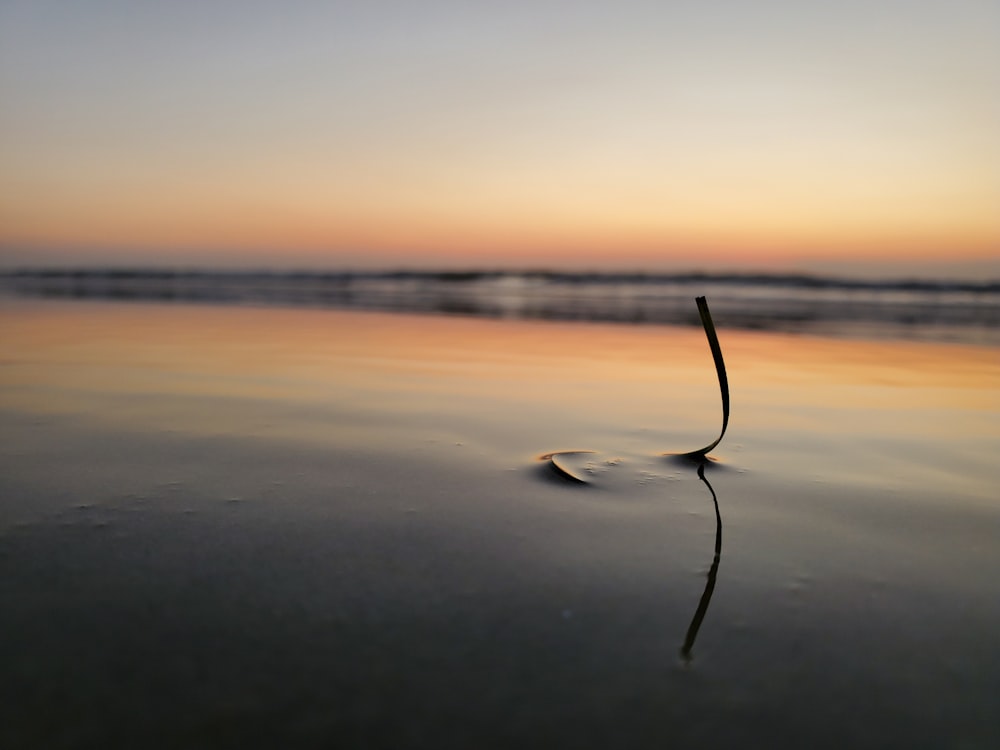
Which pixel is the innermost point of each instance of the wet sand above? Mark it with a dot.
(230, 527)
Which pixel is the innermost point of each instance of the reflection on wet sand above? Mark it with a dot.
(572, 466)
(706, 597)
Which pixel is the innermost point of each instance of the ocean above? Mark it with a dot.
(962, 311)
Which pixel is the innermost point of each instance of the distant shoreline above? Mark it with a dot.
(776, 279)
(964, 311)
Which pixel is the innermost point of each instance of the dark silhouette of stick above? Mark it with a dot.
(720, 369)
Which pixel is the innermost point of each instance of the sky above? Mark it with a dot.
(626, 134)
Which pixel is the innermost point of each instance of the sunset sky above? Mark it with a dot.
(438, 133)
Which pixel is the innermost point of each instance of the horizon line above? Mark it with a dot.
(123, 272)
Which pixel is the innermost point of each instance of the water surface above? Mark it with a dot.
(243, 526)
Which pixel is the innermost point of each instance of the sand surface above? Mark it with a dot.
(240, 527)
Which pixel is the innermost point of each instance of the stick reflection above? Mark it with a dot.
(706, 597)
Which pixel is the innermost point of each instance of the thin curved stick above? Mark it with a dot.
(700, 455)
(720, 369)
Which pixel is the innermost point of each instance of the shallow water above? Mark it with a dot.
(941, 310)
(232, 527)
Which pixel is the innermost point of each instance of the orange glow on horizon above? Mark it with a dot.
(589, 224)
(465, 242)
(338, 139)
